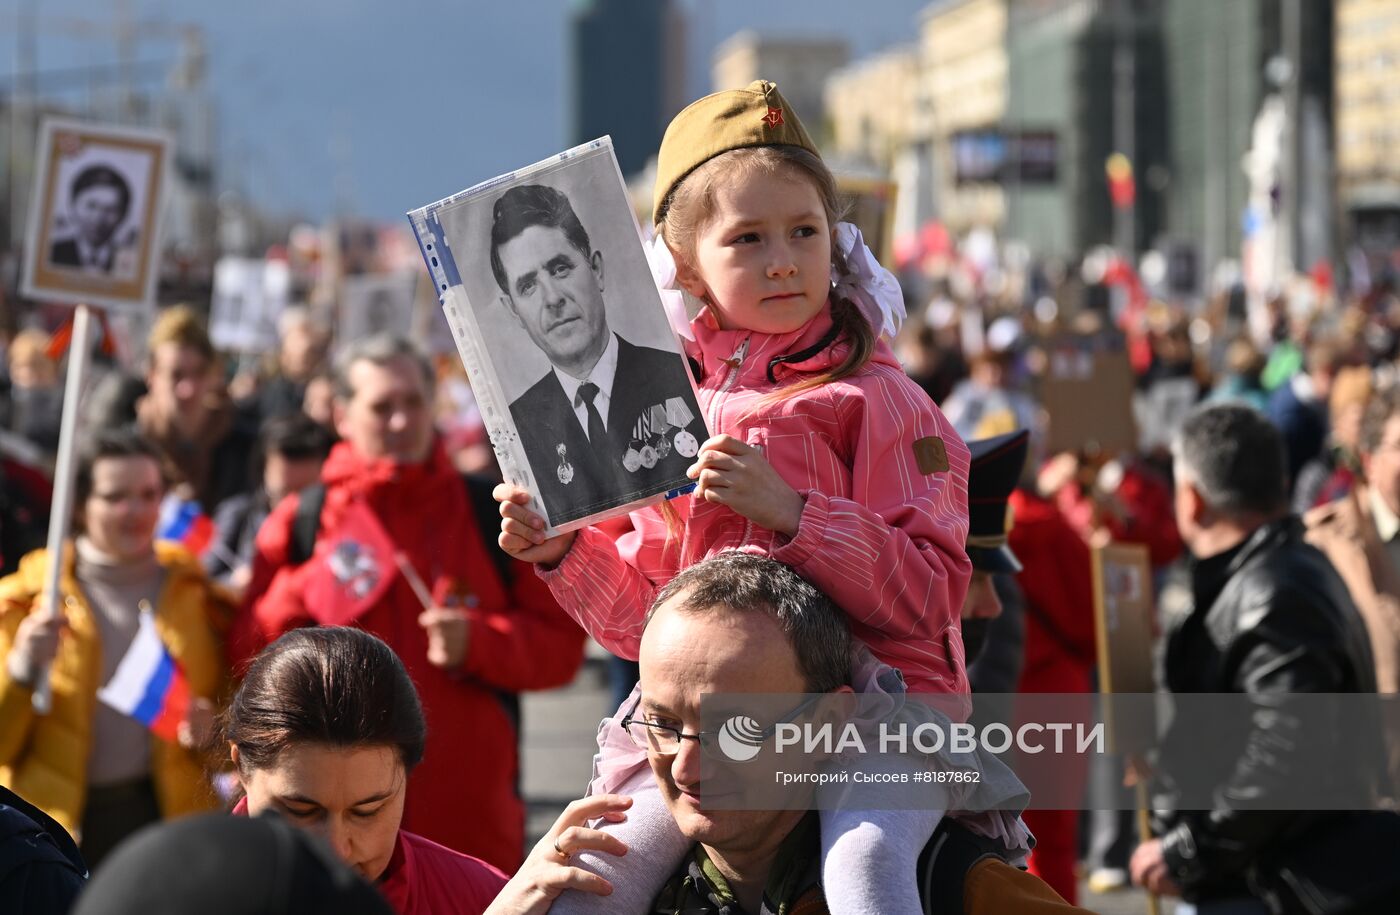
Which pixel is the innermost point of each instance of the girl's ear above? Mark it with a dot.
(689, 279)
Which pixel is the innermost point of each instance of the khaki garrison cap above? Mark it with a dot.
(756, 115)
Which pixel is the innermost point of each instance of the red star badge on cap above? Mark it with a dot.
(774, 117)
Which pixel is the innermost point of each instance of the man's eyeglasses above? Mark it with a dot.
(664, 740)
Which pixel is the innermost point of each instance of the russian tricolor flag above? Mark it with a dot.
(148, 685)
(185, 522)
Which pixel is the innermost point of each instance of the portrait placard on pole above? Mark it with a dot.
(93, 240)
(95, 215)
(1123, 627)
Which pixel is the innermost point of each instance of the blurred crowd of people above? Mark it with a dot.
(266, 455)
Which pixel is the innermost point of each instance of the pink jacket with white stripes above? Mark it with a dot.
(885, 523)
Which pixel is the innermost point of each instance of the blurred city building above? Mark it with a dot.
(963, 84)
(1218, 119)
(627, 74)
(1368, 121)
(1085, 82)
(799, 65)
(871, 108)
(1250, 82)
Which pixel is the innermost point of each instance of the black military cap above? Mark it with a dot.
(996, 467)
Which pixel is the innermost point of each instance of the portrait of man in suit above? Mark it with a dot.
(99, 200)
(611, 421)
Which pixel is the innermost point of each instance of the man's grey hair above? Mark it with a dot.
(1234, 458)
(380, 349)
(744, 583)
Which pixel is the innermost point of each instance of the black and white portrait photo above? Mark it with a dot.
(95, 214)
(99, 201)
(376, 303)
(598, 394)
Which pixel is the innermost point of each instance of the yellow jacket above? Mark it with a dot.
(44, 758)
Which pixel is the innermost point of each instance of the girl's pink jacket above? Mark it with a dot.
(884, 529)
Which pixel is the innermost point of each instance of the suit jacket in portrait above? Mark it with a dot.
(651, 392)
(65, 253)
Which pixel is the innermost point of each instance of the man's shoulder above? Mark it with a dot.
(542, 394)
(1289, 591)
(64, 251)
(646, 359)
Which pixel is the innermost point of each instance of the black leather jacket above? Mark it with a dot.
(1270, 617)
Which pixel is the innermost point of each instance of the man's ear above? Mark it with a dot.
(596, 262)
(1196, 508)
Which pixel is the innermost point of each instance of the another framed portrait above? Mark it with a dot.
(872, 211)
(94, 217)
(249, 297)
(582, 382)
(375, 303)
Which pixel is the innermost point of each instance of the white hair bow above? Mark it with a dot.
(663, 270)
(867, 284)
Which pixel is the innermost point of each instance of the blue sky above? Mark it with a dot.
(381, 107)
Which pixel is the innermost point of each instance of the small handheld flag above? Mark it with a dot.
(148, 685)
(350, 571)
(185, 522)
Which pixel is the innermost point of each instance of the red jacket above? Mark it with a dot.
(424, 878)
(1150, 518)
(1057, 579)
(463, 793)
(884, 529)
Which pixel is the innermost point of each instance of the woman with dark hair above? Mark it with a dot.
(325, 730)
(97, 771)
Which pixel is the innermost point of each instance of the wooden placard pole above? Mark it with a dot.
(61, 510)
(1123, 630)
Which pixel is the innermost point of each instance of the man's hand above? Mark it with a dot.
(522, 531)
(1149, 869)
(738, 475)
(448, 634)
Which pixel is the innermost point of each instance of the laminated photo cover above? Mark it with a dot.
(582, 382)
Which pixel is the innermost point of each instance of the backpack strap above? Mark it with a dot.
(945, 862)
(306, 523)
(488, 520)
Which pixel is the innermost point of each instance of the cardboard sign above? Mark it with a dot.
(1123, 610)
(1088, 394)
(94, 217)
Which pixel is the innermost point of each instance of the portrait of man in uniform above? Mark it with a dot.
(610, 421)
